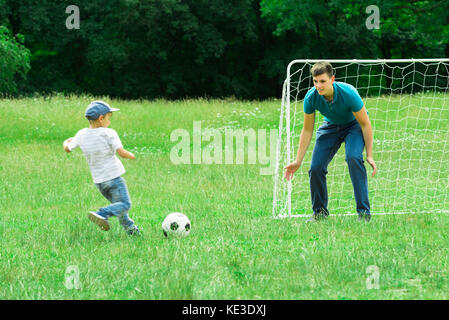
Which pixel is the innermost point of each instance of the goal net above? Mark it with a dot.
(408, 105)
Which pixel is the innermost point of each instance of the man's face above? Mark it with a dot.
(323, 84)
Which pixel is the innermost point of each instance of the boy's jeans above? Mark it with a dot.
(329, 138)
(116, 192)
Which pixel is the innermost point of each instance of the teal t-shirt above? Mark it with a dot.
(338, 111)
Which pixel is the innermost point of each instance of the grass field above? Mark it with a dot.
(236, 250)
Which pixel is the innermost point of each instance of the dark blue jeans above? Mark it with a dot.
(329, 138)
(116, 192)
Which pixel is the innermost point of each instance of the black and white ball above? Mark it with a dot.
(176, 224)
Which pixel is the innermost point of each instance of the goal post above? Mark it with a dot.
(408, 104)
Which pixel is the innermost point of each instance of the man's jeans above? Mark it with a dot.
(329, 138)
(116, 192)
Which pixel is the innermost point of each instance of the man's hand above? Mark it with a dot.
(371, 162)
(291, 169)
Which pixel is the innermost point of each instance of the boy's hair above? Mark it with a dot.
(94, 121)
(322, 67)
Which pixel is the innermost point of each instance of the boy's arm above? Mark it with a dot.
(117, 145)
(125, 154)
(66, 144)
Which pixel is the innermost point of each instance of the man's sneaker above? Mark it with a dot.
(99, 220)
(364, 216)
(320, 215)
(133, 232)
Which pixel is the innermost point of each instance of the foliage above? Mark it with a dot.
(415, 29)
(194, 48)
(14, 60)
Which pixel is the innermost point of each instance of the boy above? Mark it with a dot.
(99, 144)
(345, 120)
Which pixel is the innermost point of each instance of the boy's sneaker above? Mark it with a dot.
(364, 216)
(133, 232)
(99, 220)
(322, 214)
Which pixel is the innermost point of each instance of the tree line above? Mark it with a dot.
(175, 49)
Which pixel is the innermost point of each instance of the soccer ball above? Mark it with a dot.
(176, 224)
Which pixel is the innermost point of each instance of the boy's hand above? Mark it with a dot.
(125, 154)
(66, 144)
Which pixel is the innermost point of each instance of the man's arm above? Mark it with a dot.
(125, 154)
(304, 142)
(365, 124)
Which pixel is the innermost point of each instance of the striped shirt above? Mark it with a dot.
(99, 146)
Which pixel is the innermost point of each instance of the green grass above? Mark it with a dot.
(236, 250)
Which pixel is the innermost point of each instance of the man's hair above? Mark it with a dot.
(321, 68)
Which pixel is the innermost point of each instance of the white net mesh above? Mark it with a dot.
(408, 105)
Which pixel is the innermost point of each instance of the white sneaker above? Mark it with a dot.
(99, 220)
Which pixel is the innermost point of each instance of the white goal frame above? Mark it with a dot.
(291, 149)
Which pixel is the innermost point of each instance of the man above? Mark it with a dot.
(345, 120)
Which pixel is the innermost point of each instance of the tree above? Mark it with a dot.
(14, 61)
(336, 29)
(146, 48)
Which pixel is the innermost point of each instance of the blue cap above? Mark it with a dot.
(98, 108)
